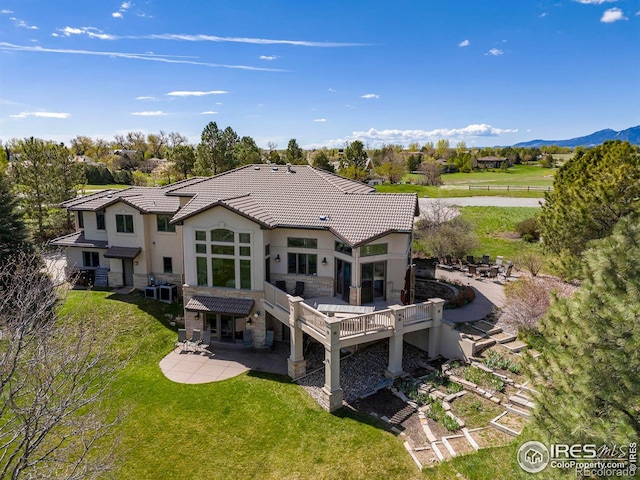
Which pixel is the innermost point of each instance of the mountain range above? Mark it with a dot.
(632, 135)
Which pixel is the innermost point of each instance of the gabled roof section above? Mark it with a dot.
(302, 197)
(144, 199)
(76, 239)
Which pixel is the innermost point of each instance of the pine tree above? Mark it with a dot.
(13, 233)
(588, 376)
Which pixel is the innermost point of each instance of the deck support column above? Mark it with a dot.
(296, 364)
(394, 369)
(331, 391)
(437, 309)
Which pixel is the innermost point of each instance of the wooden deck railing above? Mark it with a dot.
(418, 312)
(366, 323)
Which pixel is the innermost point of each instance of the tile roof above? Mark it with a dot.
(235, 306)
(122, 252)
(275, 196)
(77, 239)
(305, 198)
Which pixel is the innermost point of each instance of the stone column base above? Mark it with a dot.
(333, 399)
(296, 369)
(389, 374)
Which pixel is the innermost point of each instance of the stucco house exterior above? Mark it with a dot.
(225, 241)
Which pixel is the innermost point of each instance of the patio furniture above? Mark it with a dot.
(486, 260)
(299, 290)
(507, 272)
(247, 339)
(182, 338)
(331, 309)
(472, 271)
(499, 260)
(195, 340)
(267, 344)
(470, 259)
(206, 341)
(282, 285)
(493, 272)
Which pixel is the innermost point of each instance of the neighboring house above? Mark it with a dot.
(492, 162)
(227, 239)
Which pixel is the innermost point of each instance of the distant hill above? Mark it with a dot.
(632, 135)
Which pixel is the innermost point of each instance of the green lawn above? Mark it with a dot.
(251, 426)
(255, 425)
(492, 225)
(457, 184)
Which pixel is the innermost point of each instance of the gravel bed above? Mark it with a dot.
(361, 372)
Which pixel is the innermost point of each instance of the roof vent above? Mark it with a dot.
(268, 162)
(275, 169)
(323, 217)
(289, 168)
(256, 168)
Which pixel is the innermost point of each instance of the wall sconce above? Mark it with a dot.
(249, 321)
(324, 261)
(278, 258)
(257, 314)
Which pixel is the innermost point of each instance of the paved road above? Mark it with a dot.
(484, 201)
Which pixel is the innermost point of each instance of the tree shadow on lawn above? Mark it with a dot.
(154, 308)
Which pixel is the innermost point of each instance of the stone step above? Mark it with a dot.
(518, 411)
(519, 401)
(482, 344)
(401, 415)
(515, 346)
(486, 327)
(504, 337)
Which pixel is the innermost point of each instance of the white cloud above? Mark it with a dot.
(268, 57)
(135, 56)
(92, 32)
(255, 41)
(41, 115)
(464, 43)
(594, 2)
(157, 113)
(123, 8)
(407, 136)
(496, 52)
(320, 120)
(612, 15)
(370, 95)
(209, 112)
(22, 24)
(331, 90)
(4, 11)
(146, 98)
(542, 15)
(181, 93)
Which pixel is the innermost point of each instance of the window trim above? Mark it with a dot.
(92, 256)
(363, 254)
(101, 214)
(304, 240)
(163, 223)
(307, 264)
(124, 224)
(164, 264)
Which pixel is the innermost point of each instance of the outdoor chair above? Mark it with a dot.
(499, 260)
(247, 339)
(206, 341)
(507, 272)
(299, 290)
(267, 344)
(472, 271)
(282, 285)
(493, 272)
(448, 260)
(195, 339)
(486, 260)
(182, 338)
(471, 259)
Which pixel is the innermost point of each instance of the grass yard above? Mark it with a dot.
(252, 426)
(493, 226)
(457, 184)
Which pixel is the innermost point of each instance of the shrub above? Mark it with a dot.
(527, 237)
(453, 387)
(450, 423)
(528, 227)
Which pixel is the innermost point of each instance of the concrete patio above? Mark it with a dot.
(223, 362)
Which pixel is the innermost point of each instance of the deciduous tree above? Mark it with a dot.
(321, 160)
(431, 172)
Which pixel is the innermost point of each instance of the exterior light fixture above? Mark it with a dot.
(324, 261)
(278, 258)
(257, 314)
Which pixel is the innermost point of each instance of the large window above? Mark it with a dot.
(302, 263)
(377, 249)
(343, 248)
(164, 223)
(124, 223)
(80, 219)
(302, 242)
(224, 254)
(91, 259)
(100, 223)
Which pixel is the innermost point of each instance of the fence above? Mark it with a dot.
(520, 188)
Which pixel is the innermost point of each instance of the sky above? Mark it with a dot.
(490, 72)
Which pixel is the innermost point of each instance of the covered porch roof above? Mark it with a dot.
(122, 252)
(240, 307)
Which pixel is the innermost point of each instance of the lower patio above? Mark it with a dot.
(223, 361)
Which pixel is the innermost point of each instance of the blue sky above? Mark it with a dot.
(323, 72)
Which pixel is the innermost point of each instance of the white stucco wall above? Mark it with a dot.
(135, 239)
(91, 231)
